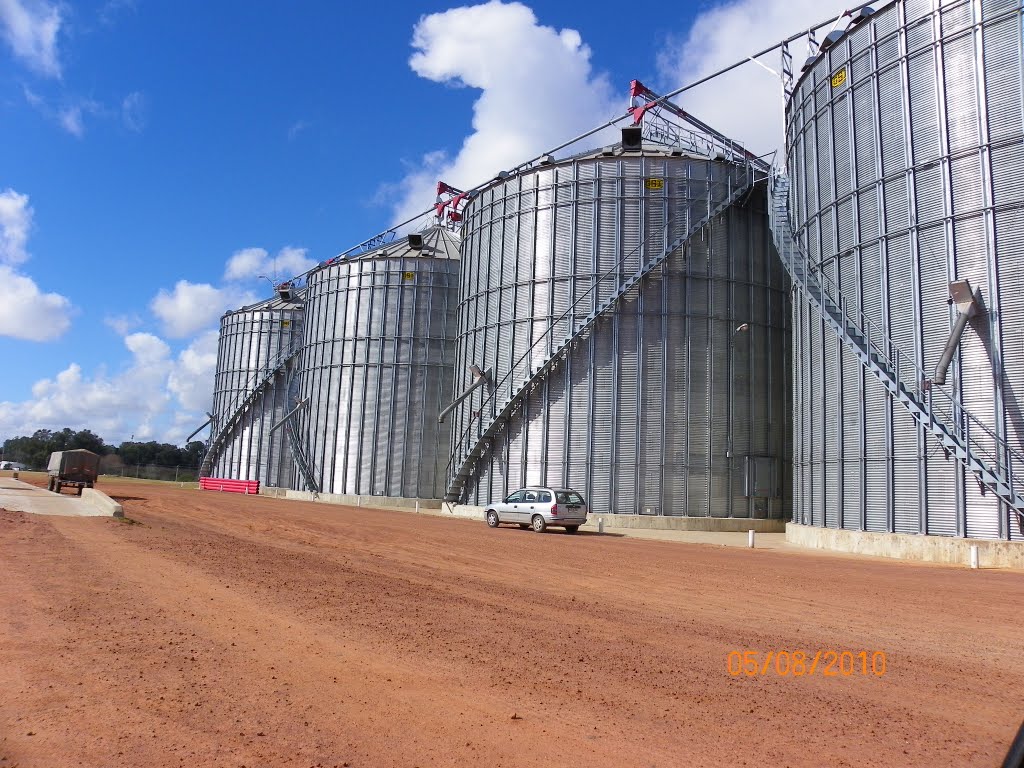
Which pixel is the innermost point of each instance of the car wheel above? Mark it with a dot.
(492, 518)
(571, 528)
(538, 524)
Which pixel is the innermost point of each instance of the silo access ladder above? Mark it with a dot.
(476, 446)
(958, 432)
(257, 383)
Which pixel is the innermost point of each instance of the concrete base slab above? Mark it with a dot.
(668, 523)
(17, 496)
(382, 502)
(932, 549)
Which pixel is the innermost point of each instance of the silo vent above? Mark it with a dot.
(285, 291)
(632, 138)
(416, 241)
(831, 39)
(864, 13)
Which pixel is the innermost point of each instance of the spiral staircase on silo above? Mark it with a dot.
(958, 432)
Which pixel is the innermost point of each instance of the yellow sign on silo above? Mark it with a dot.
(654, 183)
(839, 78)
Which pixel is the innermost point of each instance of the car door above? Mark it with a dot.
(508, 510)
(529, 506)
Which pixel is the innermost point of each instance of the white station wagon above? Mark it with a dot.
(539, 508)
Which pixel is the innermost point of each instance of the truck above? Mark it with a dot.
(75, 469)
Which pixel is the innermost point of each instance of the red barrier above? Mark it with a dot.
(229, 486)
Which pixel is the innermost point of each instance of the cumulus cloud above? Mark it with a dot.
(26, 312)
(191, 381)
(537, 87)
(191, 307)
(745, 104)
(112, 405)
(30, 28)
(252, 262)
(157, 394)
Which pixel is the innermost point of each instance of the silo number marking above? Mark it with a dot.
(654, 183)
(839, 78)
(408, 275)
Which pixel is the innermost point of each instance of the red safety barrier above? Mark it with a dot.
(229, 486)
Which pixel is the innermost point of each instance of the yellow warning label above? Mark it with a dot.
(286, 323)
(839, 78)
(654, 183)
(408, 275)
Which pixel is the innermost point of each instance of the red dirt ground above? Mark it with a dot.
(239, 631)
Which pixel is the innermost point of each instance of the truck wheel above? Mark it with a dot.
(56, 486)
(80, 493)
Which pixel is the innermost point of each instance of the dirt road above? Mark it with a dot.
(237, 631)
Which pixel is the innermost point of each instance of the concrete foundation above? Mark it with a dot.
(102, 502)
(932, 549)
(382, 502)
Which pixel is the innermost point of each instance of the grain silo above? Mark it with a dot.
(905, 148)
(256, 353)
(376, 369)
(630, 321)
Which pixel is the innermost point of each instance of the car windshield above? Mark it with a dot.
(568, 497)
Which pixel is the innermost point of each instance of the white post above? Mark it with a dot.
(750, 538)
(417, 506)
(359, 501)
(974, 556)
(600, 525)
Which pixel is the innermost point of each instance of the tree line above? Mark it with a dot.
(34, 451)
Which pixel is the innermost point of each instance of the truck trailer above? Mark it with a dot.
(77, 468)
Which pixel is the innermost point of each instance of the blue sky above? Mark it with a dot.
(156, 157)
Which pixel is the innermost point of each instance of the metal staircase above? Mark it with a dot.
(301, 461)
(976, 445)
(257, 383)
(475, 446)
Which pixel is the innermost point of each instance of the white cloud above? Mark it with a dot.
(113, 406)
(122, 325)
(745, 104)
(156, 394)
(15, 223)
(70, 119)
(28, 313)
(251, 262)
(537, 89)
(191, 381)
(30, 28)
(191, 307)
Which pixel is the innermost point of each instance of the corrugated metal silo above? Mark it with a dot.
(640, 393)
(376, 369)
(906, 151)
(255, 355)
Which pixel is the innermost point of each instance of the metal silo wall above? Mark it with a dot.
(251, 344)
(376, 367)
(637, 416)
(906, 175)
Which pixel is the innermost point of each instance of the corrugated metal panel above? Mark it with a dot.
(1001, 51)
(960, 74)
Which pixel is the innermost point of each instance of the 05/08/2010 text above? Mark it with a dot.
(801, 663)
